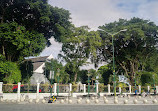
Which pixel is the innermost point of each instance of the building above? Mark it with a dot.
(38, 69)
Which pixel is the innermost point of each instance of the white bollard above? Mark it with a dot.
(96, 101)
(106, 101)
(87, 101)
(70, 101)
(30, 100)
(154, 101)
(37, 101)
(62, 101)
(135, 101)
(125, 101)
(43, 101)
(116, 101)
(145, 101)
(79, 101)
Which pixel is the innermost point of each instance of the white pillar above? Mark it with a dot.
(55, 88)
(156, 89)
(97, 89)
(37, 95)
(139, 89)
(130, 89)
(120, 90)
(1, 85)
(148, 87)
(18, 91)
(84, 88)
(108, 88)
(70, 86)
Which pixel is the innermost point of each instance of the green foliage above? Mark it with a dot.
(132, 48)
(104, 72)
(77, 48)
(17, 43)
(9, 72)
(148, 78)
(26, 68)
(36, 15)
(59, 70)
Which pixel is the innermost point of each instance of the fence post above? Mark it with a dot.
(55, 88)
(120, 90)
(139, 89)
(108, 88)
(37, 95)
(130, 89)
(97, 88)
(84, 88)
(70, 86)
(1, 85)
(148, 87)
(156, 89)
(18, 91)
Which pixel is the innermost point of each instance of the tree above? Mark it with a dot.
(93, 74)
(104, 72)
(17, 43)
(59, 70)
(133, 47)
(36, 15)
(77, 48)
(148, 78)
(9, 72)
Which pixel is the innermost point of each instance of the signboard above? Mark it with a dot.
(51, 75)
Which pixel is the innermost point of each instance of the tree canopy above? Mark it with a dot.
(133, 47)
(37, 15)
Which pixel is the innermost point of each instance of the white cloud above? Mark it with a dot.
(96, 13)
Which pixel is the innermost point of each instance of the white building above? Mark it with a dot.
(38, 69)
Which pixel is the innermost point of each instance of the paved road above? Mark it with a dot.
(53, 107)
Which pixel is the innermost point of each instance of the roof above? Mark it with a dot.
(37, 62)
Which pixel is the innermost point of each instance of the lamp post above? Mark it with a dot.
(113, 55)
(88, 83)
(154, 84)
(58, 82)
(135, 83)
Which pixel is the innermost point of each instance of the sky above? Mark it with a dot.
(96, 13)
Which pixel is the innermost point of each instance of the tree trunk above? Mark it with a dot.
(3, 50)
(75, 77)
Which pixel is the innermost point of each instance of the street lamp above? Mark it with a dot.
(88, 83)
(154, 84)
(58, 81)
(112, 35)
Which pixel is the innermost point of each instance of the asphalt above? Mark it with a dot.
(54, 107)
